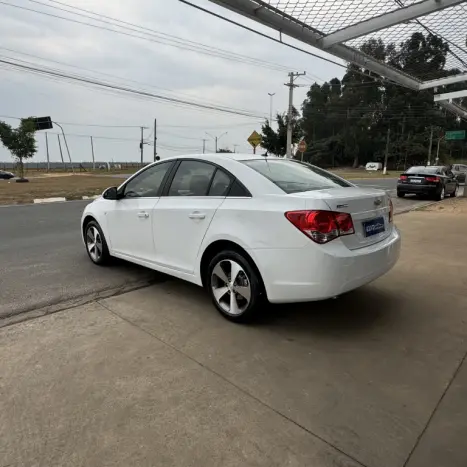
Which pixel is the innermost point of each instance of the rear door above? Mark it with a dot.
(182, 216)
(369, 209)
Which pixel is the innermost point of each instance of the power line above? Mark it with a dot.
(125, 90)
(154, 36)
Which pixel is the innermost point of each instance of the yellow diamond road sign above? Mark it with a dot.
(254, 139)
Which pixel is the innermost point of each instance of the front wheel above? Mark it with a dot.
(235, 286)
(96, 245)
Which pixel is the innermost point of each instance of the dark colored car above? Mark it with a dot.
(6, 175)
(460, 172)
(433, 181)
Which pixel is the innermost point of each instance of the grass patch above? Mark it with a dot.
(70, 187)
(356, 174)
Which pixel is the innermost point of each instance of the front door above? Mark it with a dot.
(182, 217)
(129, 221)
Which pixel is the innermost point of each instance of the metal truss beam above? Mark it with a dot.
(454, 108)
(447, 96)
(436, 83)
(387, 19)
(268, 16)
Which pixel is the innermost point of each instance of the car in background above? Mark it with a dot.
(436, 182)
(248, 228)
(6, 175)
(460, 172)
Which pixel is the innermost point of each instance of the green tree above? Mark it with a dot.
(19, 141)
(275, 142)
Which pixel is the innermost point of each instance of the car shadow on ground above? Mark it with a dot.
(350, 314)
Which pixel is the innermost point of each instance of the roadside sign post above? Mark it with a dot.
(255, 140)
(455, 135)
(302, 146)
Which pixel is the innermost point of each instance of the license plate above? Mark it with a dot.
(373, 227)
(415, 180)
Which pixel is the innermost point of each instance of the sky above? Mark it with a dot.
(152, 62)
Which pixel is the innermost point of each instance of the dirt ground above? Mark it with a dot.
(70, 187)
(450, 206)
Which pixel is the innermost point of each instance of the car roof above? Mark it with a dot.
(237, 156)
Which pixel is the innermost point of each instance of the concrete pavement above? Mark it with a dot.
(156, 377)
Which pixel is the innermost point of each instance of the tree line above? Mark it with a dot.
(356, 119)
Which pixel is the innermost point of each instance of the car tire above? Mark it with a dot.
(96, 244)
(239, 300)
(440, 194)
(400, 194)
(454, 193)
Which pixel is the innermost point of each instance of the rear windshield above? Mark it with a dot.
(294, 177)
(423, 170)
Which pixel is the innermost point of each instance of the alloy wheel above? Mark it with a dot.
(442, 193)
(231, 287)
(94, 243)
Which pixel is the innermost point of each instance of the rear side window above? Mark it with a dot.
(193, 178)
(220, 184)
(294, 177)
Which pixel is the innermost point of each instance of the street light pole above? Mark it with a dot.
(216, 138)
(271, 95)
(66, 145)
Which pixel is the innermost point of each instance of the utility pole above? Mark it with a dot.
(61, 153)
(155, 139)
(271, 95)
(385, 169)
(204, 145)
(429, 146)
(216, 138)
(47, 147)
(141, 145)
(235, 147)
(92, 152)
(291, 86)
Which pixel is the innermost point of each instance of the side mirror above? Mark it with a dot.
(110, 193)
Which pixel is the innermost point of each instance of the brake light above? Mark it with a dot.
(391, 210)
(322, 226)
(432, 179)
(403, 177)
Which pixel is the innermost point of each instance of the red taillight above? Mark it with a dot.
(391, 210)
(322, 226)
(403, 177)
(432, 179)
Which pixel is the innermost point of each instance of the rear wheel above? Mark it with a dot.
(400, 194)
(235, 286)
(96, 245)
(440, 194)
(454, 193)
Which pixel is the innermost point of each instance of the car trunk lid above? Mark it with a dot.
(368, 207)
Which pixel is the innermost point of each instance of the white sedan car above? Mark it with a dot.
(247, 228)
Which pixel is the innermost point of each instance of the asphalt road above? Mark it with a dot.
(43, 260)
(44, 263)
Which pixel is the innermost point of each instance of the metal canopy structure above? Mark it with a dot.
(341, 27)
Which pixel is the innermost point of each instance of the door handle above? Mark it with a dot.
(197, 215)
(143, 214)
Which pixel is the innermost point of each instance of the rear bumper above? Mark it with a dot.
(417, 189)
(317, 272)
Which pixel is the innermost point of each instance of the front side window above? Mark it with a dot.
(193, 178)
(294, 177)
(147, 184)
